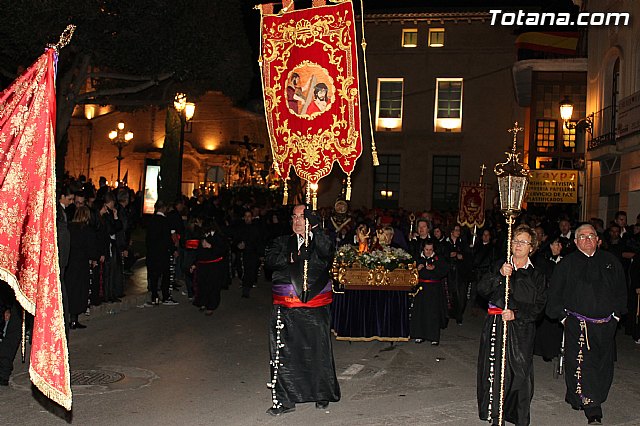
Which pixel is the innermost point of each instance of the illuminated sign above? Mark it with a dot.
(553, 186)
(150, 188)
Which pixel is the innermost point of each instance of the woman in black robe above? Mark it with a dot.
(210, 267)
(548, 341)
(527, 298)
(428, 314)
(82, 256)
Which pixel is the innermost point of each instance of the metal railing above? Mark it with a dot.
(604, 128)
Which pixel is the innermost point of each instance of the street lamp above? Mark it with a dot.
(120, 139)
(513, 178)
(185, 111)
(566, 111)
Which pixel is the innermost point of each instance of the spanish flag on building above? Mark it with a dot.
(565, 43)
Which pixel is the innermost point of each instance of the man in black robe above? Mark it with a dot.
(420, 238)
(302, 365)
(588, 294)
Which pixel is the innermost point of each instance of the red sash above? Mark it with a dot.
(429, 281)
(210, 261)
(191, 244)
(294, 302)
(494, 311)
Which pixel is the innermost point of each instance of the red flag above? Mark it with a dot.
(28, 247)
(471, 211)
(311, 90)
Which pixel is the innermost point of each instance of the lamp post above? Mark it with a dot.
(120, 138)
(585, 124)
(513, 178)
(185, 111)
(566, 111)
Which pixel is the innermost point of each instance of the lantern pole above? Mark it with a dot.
(513, 178)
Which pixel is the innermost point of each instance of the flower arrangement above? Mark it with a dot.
(389, 257)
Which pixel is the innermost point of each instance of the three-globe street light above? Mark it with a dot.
(185, 111)
(120, 138)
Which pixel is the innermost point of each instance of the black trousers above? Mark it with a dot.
(159, 272)
(10, 343)
(457, 294)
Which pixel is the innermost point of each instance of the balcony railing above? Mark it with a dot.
(604, 128)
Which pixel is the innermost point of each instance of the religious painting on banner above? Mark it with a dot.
(28, 246)
(310, 82)
(471, 211)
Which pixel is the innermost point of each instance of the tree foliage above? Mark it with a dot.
(132, 52)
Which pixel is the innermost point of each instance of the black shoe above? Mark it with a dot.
(76, 324)
(280, 410)
(419, 340)
(594, 420)
(435, 343)
(322, 405)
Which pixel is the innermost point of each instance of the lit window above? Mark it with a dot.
(448, 106)
(546, 135)
(569, 139)
(410, 37)
(389, 111)
(386, 188)
(436, 37)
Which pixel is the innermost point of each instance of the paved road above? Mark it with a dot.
(178, 367)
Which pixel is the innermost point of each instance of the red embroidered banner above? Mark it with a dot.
(28, 247)
(471, 211)
(311, 90)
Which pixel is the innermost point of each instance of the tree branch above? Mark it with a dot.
(130, 77)
(122, 90)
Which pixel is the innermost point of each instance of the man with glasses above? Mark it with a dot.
(302, 365)
(588, 295)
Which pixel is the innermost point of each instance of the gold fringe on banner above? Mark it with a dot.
(348, 194)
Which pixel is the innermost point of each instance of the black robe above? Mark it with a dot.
(302, 364)
(527, 298)
(548, 341)
(594, 287)
(82, 250)
(428, 314)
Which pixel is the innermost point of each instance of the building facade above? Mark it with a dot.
(613, 154)
(442, 99)
(215, 148)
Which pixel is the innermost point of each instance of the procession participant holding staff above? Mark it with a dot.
(588, 295)
(527, 297)
(302, 365)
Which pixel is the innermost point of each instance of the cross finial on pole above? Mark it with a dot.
(515, 130)
(482, 169)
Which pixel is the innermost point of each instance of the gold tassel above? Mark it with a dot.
(315, 200)
(374, 154)
(348, 194)
(285, 196)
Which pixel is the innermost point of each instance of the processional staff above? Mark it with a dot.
(513, 178)
(475, 224)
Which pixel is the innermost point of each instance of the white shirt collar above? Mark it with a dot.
(524, 267)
